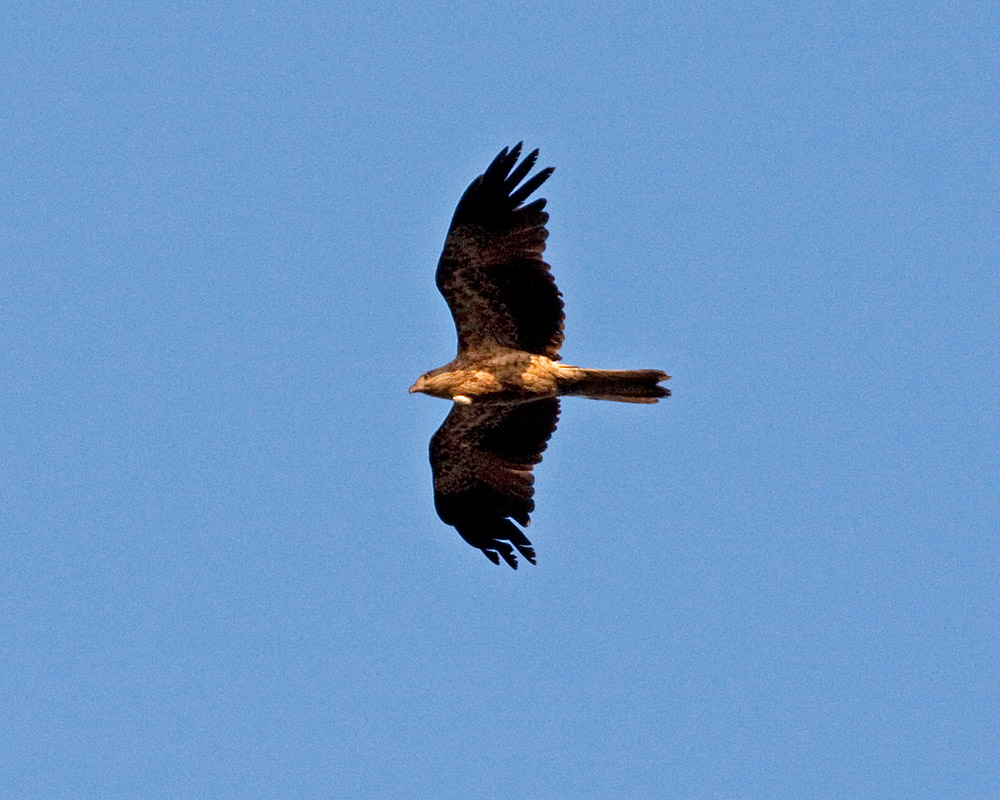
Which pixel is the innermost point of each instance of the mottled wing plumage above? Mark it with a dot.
(482, 458)
(491, 272)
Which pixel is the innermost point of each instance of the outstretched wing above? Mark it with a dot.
(482, 458)
(491, 272)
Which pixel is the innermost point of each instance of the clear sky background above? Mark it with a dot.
(222, 571)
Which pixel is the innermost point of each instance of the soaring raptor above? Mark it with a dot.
(506, 380)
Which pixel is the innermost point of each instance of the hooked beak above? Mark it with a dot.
(415, 387)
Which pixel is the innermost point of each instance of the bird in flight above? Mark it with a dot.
(507, 378)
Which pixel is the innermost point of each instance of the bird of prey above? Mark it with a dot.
(506, 379)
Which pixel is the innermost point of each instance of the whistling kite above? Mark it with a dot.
(506, 379)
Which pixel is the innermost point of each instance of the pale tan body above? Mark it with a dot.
(504, 375)
(497, 375)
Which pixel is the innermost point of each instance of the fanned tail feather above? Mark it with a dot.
(621, 385)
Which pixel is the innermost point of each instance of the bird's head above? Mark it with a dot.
(435, 383)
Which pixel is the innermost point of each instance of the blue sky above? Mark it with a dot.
(223, 575)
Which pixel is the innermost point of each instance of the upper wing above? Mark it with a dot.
(482, 458)
(491, 272)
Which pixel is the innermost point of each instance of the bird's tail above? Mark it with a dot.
(623, 385)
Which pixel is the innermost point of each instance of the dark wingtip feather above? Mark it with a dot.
(506, 553)
(527, 551)
(520, 171)
(504, 161)
(531, 185)
(496, 162)
(520, 541)
(500, 170)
